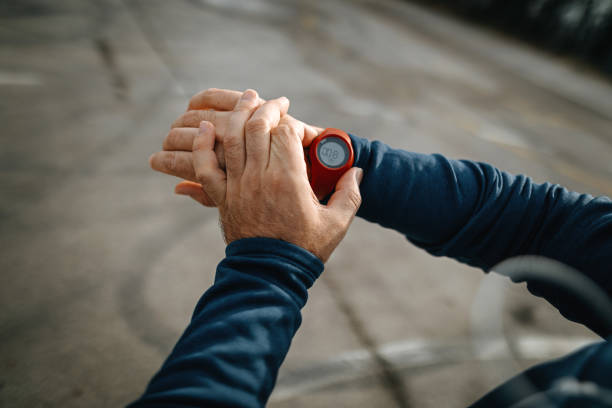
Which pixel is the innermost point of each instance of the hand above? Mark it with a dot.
(266, 192)
(213, 105)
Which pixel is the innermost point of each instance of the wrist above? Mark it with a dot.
(330, 156)
(361, 152)
(304, 265)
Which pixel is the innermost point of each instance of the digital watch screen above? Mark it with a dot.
(333, 152)
(331, 155)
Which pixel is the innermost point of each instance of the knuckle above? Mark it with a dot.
(354, 198)
(171, 139)
(169, 161)
(274, 104)
(285, 119)
(283, 130)
(205, 177)
(207, 185)
(245, 106)
(210, 92)
(287, 134)
(200, 174)
(192, 118)
(183, 120)
(293, 128)
(231, 143)
(282, 101)
(257, 125)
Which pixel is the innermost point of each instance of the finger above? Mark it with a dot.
(346, 200)
(233, 143)
(257, 131)
(286, 145)
(206, 166)
(213, 98)
(179, 164)
(193, 118)
(310, 134)
(180, 139)
(217, 99)
(195, 191)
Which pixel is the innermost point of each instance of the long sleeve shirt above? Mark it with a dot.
(480, 215)
(242, 327)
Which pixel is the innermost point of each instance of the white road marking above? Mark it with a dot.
(415, 353)
(20, 79)
(502, 135)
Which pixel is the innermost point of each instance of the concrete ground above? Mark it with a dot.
(101, 265)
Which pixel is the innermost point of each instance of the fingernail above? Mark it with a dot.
(249, 95)
(204, 126)
(359, 175)
(285, 100)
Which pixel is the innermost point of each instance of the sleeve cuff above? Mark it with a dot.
(279, 250)
(361, 151)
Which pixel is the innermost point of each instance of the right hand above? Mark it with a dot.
(215, 106)
(264, 191)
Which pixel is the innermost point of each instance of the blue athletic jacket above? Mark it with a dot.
(242, 327)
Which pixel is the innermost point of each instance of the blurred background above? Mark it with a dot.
(101, 264)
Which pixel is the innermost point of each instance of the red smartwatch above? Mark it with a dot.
(331, 155)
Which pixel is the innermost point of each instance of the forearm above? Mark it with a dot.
(480, 215)
(241, 329)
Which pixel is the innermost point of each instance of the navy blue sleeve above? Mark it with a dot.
(541, 385)
(481, 215)
(241, 329)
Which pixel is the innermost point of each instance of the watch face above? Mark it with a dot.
(333, 152)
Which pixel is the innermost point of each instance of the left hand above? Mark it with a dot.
(213, 105)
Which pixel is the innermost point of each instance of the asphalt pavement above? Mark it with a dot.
(101, 264)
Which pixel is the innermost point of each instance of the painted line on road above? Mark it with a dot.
(20, 79)
(412, 354)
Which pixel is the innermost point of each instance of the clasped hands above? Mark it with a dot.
(245, 156)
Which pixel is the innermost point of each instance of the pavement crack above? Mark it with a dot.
(390, 377)
(142, 20)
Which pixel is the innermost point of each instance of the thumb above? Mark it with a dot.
(195, 191)
(346, 199)
(206, 165)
